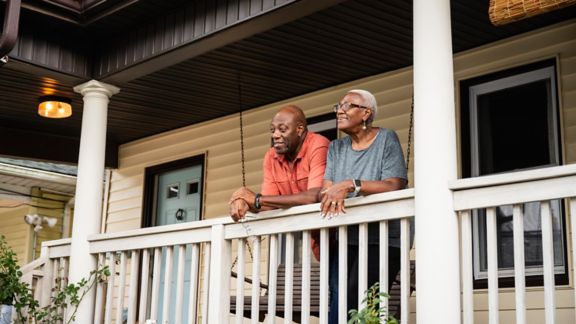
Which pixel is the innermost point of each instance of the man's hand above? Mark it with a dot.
(238, 209)
(332, 203)
(245, 194)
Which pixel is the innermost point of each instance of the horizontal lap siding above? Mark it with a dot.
(17, 232)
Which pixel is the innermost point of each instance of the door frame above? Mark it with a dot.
(150, 195)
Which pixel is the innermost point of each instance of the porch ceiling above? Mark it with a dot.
(350, 40)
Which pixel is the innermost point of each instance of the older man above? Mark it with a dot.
(293, 167)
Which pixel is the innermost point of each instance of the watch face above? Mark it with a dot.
(357, 184)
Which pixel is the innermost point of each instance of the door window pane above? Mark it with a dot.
(172, 191)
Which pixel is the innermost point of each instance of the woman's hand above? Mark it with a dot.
(332, 203)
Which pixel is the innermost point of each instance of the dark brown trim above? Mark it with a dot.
(10, 30)
(150, 176)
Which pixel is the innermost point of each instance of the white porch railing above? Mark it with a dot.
(197, 258)
(542, 185)
(41, 273)
(162, 253)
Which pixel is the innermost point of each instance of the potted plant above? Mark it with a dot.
(10, 284)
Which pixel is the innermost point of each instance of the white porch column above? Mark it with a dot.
(88, 206)
(437, 252)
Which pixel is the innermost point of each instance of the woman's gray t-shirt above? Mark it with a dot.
(383, 159)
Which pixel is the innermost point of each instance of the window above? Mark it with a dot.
(173, 192)
(509, 123)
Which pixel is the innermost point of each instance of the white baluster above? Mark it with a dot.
(306, 269)
(324, 238)
(193, 293)
(144, 286)
(548, 260)
(240, 282)
(383, 266)
(342, 274)
(466, 268)
(492, 244)
(404, 269)
(255, 305)
(121, 288)
(272, 278)
(362, 262)
(180, 282)
(519, 271)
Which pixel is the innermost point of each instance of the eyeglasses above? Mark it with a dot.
(347, 106)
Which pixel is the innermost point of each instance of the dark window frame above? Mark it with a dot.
(466, 159)
(151, 190)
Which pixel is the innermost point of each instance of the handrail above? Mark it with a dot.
(397, 205)
(517, 187)
(514, 177)
(33, 265)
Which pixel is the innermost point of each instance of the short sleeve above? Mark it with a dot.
(393, 165)
(269, 187)
(317, 162)
(329, 172)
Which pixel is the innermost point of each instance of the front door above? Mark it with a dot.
(178, 199)
(179, 196)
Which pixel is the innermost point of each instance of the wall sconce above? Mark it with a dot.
(54, 107)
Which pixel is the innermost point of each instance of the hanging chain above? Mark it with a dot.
(243, 162)
(409, 148)
(242, 146)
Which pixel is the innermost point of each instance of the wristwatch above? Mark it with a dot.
(357, 186)
(257, 201)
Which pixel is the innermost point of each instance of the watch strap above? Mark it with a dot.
(257, 201)
(357, 186)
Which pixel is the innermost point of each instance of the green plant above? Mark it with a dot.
(10, 273)
(372, 313)
(21, 295)
(63, 296)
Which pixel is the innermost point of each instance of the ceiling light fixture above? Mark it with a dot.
(54, 107)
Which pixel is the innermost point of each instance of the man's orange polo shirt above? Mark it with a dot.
(307, 172)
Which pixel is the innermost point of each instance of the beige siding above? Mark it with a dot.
(17, 232)
(219, 138)
(53, 207)
(25, 242)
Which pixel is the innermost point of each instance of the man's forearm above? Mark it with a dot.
(287, 201)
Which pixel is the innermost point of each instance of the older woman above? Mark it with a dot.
(367, 161)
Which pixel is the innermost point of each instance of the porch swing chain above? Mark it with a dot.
(243, 163)
(409, 146)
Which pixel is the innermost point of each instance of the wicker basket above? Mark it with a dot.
(506, 11)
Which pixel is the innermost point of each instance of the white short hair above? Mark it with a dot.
(369, 101)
